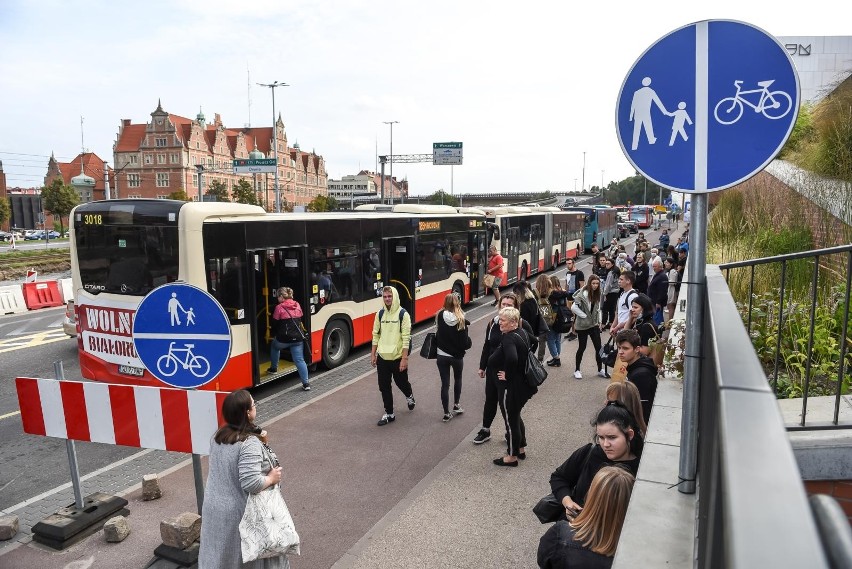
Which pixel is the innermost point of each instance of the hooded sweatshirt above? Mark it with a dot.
(452, 342)
(643, 374)
(389, 336)
(288, 305)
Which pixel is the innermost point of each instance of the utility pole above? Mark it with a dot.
(583, 185)
(645, 193)
(274, 140)
(200, 169)
(391, 123)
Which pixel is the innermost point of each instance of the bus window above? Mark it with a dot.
(333, 271)
(226, 282)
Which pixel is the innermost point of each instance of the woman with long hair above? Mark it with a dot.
(288, 317)
(627, 394)
(543, 287)
(642, 313)
(587, 309)
(643, 273)
(669, 266)
(453, 340)
(617, 442)
(240, 464)
(590, 539)
(558, 299)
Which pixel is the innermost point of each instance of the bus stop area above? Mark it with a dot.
(414, 493)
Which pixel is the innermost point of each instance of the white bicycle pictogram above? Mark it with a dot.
(168, 363)
(772, 104)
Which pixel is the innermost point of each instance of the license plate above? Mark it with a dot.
(130, 370)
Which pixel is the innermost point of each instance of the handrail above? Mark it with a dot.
(753, 510)
(787, 257)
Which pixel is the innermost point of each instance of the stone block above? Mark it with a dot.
(116, 529)
(8, 527)
(151, 487)
(181, 530)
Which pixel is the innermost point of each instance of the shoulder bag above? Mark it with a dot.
(291, 330)
(534, 371)
(549, 509)
(609, 352)
(429, 349)
(266, 528)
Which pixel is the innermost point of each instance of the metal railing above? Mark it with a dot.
(752, 506)
(817, 294)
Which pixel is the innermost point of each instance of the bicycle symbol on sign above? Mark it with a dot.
(772, 104)
(168, 363)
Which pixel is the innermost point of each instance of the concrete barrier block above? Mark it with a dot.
(66, 289)
(8, 527)
(151, 487)
(12, 300)
(116, 529)
(181, 531)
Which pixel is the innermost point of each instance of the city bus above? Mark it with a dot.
(533, 239)
(336, 264)
(643, 215)
(601, 225)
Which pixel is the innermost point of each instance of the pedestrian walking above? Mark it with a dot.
(543, 287)
(559, 307)
(287, 319)
(389, 353)
(453, 341)
(587, 309)
(495, 272)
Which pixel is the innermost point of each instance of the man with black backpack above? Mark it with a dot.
(628, 293)
(389, 354)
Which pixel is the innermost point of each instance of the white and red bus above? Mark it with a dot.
(336, 264)
(643, 215)
(534, 239)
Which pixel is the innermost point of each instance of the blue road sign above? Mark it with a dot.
(707, 106)
(182, 335)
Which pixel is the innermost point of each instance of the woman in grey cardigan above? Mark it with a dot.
(587, 308)
(238, 466)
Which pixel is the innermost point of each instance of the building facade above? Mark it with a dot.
(365, 187)
(164, 156)
(85, 164)
(822, 63)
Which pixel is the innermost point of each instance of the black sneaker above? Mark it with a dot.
(411, 402)
(572, 336)
(447, 417)
(306, 387)
(457, 410)
(482, 436)
(386, 418)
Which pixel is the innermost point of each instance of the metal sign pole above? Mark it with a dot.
(199, 481)
(71, 448)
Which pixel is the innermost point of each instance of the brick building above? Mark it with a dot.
(155, 159)
(89, 164)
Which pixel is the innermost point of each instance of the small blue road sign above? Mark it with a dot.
(182, 335)
(707, 106)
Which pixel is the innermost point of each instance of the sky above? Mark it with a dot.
(529, 88)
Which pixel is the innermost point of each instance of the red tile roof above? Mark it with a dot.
(130, 139)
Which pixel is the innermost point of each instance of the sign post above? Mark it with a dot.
(705, 108)
(254, 166)
(446, 153)
(183, 337)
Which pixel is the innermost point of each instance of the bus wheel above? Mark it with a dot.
(458, 290)
(335, 344)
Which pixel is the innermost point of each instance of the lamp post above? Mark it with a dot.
(583, 184)
(275, 140)
(391, 123)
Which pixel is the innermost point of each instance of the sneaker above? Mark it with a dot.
(457, 410)
(555, 362)
(482, 436)
(447, 417)
(272, 370)
(411, 402)
(604, 373)
(306, 387)
(578, 375)
(386, 418)
(572, 336)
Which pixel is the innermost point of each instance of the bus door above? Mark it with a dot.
(476, 247)
(535, 248)
(398, 253)
(272, 269)
(513, 240)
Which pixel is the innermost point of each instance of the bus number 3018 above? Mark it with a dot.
(93, 219)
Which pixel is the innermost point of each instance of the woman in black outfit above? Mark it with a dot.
(513, 391)
(529, 304)
(642, 272)
(642, 311)
(453, 340)
(617, 441)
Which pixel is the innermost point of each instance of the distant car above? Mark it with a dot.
(69, 323)
(632, 226)
(34, 235)
(54, 235)
(5, 236)
(623, 230)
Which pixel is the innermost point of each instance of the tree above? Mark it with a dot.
(244, 193)
(443, 198)
(218, 191)
(322, 203)
(5, 211)
(59, 199)
(180, 195)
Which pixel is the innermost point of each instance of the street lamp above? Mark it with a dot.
(275, 140)
(391, 123)
(583, 185)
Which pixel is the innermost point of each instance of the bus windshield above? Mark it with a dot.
(122, 252)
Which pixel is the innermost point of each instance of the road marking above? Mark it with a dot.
(32, 340)
(7, 415)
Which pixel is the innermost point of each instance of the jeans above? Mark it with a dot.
(658, 316)
(297, 352)
(554, 343)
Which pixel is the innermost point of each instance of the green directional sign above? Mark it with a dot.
(254, 166)
(446, 153)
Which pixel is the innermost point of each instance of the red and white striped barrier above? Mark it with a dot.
(146, 417)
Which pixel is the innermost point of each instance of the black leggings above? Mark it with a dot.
(608, 308)
(582, 335)
(489, 409)
(444, 365)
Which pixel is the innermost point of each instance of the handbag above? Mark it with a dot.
(429, 349)
(548, 509)
(488, 280)
(266, 528)
(609, 353)
(534, 371)
(291, 330)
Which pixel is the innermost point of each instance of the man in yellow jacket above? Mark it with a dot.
(389, 354)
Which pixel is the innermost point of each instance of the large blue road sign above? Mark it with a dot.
(707, 106)
(182, 335)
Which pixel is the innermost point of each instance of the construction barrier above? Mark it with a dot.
(42, 294)
(145, 417)
(12, 300)
(66, 290)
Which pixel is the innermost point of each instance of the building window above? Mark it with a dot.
(161, 158)
(133, 180)
(148, 159)
(161, 142)
(162, 180)
(162, 197)
(175, 158)
(137, 196)
(192, 160)
(134, 159)
(209, 162)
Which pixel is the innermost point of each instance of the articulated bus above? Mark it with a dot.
(643, 215)
(534, 239)
(336, 264)
(601, 225)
